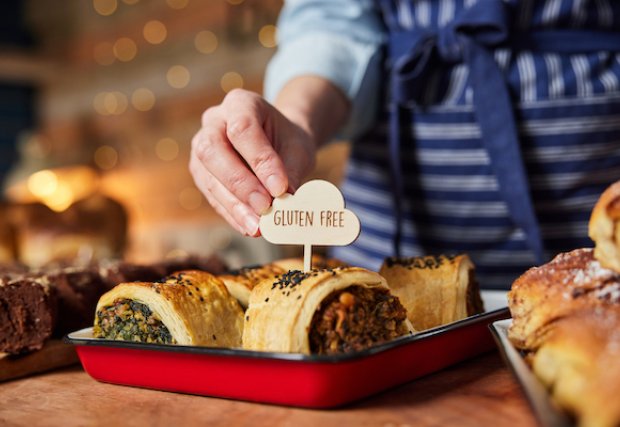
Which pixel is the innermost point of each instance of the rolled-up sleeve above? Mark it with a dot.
(338, 40)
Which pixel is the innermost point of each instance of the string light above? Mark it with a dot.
(205, 42)
(177, 4)
(230, 81)
(155, 32)
(125, 49)
(167, 149)
(190, 198)
(143, 99)
(103, 53)
(106, 157)
(105, 7)
(178, 76)
(267, 36)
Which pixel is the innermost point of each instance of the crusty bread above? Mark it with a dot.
(604, 227)
(542, 295)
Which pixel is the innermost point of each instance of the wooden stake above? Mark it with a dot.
(307, 257)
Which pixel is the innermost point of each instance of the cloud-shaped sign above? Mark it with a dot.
(314, 215)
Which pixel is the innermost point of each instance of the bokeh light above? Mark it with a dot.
(103, 53)
(267, 36)
(106, 157)
(43, 183)
(115, 103)
(167, 149)
(231, 80)
(99, 103)
(178, 76)
(177, 4)
(190, 198)
(143, 99)
(155, 32)
(125, 49)
(105, 7)
(205, 42)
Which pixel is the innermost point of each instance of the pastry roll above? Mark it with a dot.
(241, 282)
(604, 227)
(435, 290)
(578, 362)
(188, 308)
(318, 263)
(323, 312)
(568, 283)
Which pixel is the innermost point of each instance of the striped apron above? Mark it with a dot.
(500, 129)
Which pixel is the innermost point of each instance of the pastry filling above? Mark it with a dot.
(356, 318)
(131, 321)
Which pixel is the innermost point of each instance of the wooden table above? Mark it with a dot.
(480, 392)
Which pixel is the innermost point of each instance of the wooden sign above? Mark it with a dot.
(314, 215)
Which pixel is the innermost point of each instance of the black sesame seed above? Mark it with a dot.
(266, 299)
(247, 318)
(214, 337)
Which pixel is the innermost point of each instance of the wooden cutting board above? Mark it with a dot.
(54, 354)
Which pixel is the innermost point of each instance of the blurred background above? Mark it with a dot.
(99, 100)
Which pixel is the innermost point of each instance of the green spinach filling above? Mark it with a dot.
(131, 321)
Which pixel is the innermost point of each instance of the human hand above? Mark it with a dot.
(247, 153)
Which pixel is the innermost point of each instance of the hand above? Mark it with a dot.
(247, 153)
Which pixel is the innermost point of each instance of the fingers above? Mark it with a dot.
(236, 213)
(245, 131)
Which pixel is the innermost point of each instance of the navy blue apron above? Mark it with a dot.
(479, 158)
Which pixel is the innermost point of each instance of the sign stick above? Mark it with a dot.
(307, 257)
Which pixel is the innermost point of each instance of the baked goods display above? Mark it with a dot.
(189, 308)
(435, 290)
(241, 282)
(323, 312)
(566, 320)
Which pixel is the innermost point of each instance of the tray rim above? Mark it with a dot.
(281, 356)
(538, 398)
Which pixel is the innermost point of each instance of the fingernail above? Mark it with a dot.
(259, 202)
(275, 185)
(251, 224)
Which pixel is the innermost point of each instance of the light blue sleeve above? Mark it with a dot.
(338, 40)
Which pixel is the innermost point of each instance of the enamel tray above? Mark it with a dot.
(285, 378)
(546, 411)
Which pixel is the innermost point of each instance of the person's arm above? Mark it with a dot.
(249, 151)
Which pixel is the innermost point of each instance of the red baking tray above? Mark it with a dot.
(284, 378)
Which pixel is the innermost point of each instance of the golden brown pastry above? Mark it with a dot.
(570, 282)
(189, 308)
(324, 312)
(241, 282)
(318, 263)
(579, 361)
(604, 227)
(435, 290)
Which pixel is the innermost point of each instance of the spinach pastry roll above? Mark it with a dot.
(323, 312)
(188, 308)
(241, 282)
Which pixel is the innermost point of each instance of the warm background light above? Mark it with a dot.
(105, 7)
(43, 183)
(103, 53)
(190, 198)
(167, 149)
(143, 99)
(155, 32)
(267, 36)
(106, 157)
(205, 42)
(125, 49)
(231, 80)
(235, 2)
(178, 76)
(177, 4)
(130, 1)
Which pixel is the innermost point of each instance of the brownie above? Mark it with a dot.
(28, 308)
(113, 273)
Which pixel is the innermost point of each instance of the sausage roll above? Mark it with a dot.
(241, 282)
(604, 227)
(189, 308)
(323, 312)
(435, 290)
(568, 283)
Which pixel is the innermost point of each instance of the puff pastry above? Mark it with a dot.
(568, 283)
(241, 282)
(578, 362)
(435, 290)
(188, 308)
(323, 311)
(604, 227)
